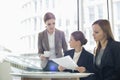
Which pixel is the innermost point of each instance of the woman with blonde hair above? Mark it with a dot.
(107, 52)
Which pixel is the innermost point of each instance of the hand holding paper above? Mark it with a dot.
(66, 62)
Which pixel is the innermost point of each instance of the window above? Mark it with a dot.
(91, 12)
(25, 20)
(116, 20)
(34, 24)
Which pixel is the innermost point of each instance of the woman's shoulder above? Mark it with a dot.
(69, 51)
(87, 52)
(59, 31)
(114, 44)
(42, 32)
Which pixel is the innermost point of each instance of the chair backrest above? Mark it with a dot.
(5, 71)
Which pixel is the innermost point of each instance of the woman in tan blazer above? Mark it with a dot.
(51, 40)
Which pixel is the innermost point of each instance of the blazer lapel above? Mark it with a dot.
(56, 39)
(72, 53)
(46, 39)
(81, 58)
(104, 54)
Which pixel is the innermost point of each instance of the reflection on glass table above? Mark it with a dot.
(24, 62)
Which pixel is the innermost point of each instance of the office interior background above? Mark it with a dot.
(22, 20)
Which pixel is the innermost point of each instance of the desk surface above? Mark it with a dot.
(51, 75)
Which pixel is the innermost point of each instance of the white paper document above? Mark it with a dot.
(66, 62)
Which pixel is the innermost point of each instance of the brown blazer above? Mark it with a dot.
(60, 42)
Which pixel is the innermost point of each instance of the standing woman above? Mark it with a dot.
(51, 40)
(107, 52)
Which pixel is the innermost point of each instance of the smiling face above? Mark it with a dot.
(98, 33)
(50, 25)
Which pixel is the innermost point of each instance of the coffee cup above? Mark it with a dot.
(47, 53)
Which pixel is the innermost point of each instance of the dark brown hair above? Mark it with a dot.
(48, 16)
(79, 36)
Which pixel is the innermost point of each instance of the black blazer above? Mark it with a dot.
(85, 59)
(109, 68)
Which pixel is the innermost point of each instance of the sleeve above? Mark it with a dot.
(90, 62)
(64, 43)
(116, 57)
(40, 48)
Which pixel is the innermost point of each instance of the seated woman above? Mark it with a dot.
(82, 58)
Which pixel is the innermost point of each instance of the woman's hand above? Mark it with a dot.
(81, 69)
(61, 68)
(42, 57)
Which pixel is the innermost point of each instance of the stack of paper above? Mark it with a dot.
(66, 62)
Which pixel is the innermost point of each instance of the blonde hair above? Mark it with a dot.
(106, 27)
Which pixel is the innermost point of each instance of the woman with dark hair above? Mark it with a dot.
(80, 56)
(107, 52)
(51, 41)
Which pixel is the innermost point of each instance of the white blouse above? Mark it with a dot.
(76, 56)
(51, 40)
